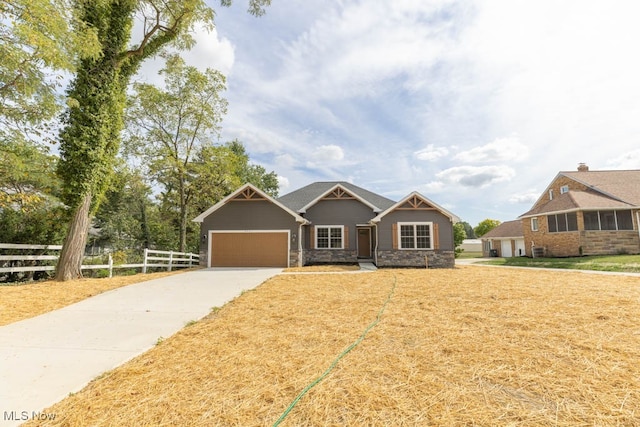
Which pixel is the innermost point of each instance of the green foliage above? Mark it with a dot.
(44, 225)
(256, 7)
(485, 226)
(90, 139)
(468, 229)
(168, 126)
(30, 212)
(27, 176)
(459, 235)
(38, 39)
(252, 173)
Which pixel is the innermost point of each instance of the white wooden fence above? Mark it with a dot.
(152, 258)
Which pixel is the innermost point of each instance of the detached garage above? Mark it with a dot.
(249, 248)
(248, 228)
(505, 240)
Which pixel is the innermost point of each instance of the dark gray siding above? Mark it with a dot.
(445, 227)
(248, 215)
(339, 212)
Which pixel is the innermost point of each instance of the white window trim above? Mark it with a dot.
(564, 189)
(415, 236)
(342, 236)
(536, 226)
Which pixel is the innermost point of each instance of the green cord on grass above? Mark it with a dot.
(337, 359)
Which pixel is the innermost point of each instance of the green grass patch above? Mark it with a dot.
(469, 254)
(618, 263)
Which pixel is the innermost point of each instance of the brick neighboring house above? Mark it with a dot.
(506, 240)
(585, 212)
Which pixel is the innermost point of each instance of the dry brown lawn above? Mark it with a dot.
(464, 347)
(19, 302)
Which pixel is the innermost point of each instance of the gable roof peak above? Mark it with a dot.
(248, 191)
(301, 199)
(413, 195)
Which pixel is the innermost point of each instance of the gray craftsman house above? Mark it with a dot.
(325, 222)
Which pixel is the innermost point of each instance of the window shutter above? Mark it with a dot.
(312, 237)
(394, 235)
(436, 236)
(345, 238)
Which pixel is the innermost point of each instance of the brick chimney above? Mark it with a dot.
(582, 167)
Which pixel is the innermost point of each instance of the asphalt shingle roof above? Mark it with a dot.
(301, 197)
(623, 185)
(608, 190)
(506, 229)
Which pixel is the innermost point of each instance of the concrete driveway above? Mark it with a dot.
(45, 358)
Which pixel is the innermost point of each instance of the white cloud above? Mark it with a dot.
(500, 150)
(431, 153)
(209, 52)
(476, 176)
(326, 156)
(528, 197)
(629, 160)
(283, 183)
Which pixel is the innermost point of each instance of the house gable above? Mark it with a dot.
(416, 202)
(247, 193)
(614, 188)
(338, 192)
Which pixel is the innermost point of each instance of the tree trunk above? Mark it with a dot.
(72, 253)
(183, 229)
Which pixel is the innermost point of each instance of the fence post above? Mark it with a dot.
(110, 266)
(170, 260)
(144, 262)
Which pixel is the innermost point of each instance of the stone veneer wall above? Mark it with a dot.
(610, 242)
(416, 259)
(330, 256)
(293, 258)
(203, 255)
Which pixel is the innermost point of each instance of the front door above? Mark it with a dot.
(364, 243)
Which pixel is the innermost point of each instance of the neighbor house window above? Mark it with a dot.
(415, 235)
(534, 224)
(608, 220)
(564, 189)
(329, 237)
(562, 222)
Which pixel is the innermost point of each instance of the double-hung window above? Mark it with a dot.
(415, 235)
(329, 236)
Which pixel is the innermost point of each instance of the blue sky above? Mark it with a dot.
(475, 104)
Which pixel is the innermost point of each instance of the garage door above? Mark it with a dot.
(506, 248)
(250, 249)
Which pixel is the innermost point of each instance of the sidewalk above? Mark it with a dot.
(45, 358)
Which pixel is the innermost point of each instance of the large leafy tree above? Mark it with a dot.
(221, 169)
(93, 121)
(30, 211)
(253, 173)
(485, 226)
(169, 126)
(39, 39)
